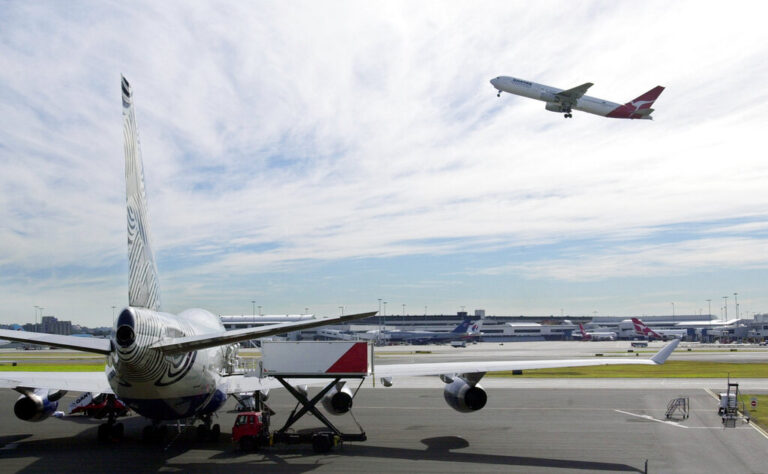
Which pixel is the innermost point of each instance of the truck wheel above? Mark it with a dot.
(247, 444)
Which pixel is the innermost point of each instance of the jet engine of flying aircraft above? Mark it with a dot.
(565, 101)
(179, 366)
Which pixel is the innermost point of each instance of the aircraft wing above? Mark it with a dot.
(574, 94)
(182, 345)
(441, 368)
(85, 344)
(95, 382)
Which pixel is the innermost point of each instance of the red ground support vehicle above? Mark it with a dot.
(251, 430)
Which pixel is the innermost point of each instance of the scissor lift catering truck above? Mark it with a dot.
(299, 362)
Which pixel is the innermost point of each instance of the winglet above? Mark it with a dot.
(665, 352)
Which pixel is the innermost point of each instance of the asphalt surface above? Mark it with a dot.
(529, 425)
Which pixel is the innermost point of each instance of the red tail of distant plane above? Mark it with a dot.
(584, 335)
(641, 328)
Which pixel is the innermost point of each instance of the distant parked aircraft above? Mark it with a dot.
(596, 335)
(564, 101)
(662, 334)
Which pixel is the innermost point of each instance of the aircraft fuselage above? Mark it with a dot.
(164, 387)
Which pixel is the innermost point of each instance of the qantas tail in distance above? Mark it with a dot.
(641, 328)
(584, 335)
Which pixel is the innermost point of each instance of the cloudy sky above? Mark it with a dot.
(325, 154)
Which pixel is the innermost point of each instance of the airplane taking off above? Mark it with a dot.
(564, 101)
(168, 367)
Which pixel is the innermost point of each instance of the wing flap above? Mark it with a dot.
(85, 344)
(182, 345)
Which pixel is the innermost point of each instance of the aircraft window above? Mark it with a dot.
(251, 419)
(241, 420)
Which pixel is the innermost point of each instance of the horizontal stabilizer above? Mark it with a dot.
(644, 112)
(182, 345)
(85, 344)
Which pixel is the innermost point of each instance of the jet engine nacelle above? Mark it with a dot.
(338, 400)
(554, 107)
(37, 405)
(463, 396)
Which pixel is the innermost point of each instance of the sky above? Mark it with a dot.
(323, 156)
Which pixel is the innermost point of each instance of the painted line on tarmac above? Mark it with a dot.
(648, 417)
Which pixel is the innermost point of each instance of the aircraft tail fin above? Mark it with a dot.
(642, 328)
(144, 288)
(645, 101)
(462, 328)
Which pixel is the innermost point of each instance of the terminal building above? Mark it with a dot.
(694, 328)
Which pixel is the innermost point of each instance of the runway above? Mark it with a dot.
(521, 430)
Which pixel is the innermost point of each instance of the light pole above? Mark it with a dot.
(306, 310)
(341, 308)
(736, 300)
(260, 310)
(709, 305)
(403, 309)
(253, 308)
(725, 308)
(673, 311)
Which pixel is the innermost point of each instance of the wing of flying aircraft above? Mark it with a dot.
(574, 94)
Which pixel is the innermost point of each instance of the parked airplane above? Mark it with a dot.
(564, 101)
(174, 367)
(163, 366)
(596, 335)
(466, 329)
(661, 334)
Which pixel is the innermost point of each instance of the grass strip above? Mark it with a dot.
(671, 369)
(757, 415)
(95, 367)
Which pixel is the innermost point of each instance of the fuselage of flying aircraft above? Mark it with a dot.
(565, 100)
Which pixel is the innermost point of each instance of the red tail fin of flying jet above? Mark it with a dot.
(638, 108)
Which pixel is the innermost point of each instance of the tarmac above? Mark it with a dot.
(529, 425)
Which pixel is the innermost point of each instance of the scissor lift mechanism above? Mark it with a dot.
(310, 406)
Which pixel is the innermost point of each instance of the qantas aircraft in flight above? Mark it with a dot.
(565, 101)
(171, 367)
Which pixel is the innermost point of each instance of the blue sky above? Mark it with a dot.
(325, 154)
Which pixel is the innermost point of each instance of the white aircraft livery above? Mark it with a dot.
(184, 366)
(565, 101)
